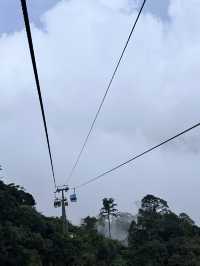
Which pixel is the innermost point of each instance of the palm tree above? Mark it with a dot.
(108, 210)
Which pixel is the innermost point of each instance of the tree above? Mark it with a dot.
(89, 223)
(160, 237)
(186, 218)
(109, 210)
(154, 204)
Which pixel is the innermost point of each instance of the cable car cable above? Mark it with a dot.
(106, 92)
(137, 156)
(31, 49)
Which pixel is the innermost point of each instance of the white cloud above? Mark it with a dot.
(154, 95)
(120, 5)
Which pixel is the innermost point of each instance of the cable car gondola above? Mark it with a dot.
(66, 202)
(73, 197)
(57, 203)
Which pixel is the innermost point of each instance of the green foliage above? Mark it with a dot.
(27, 238)
(160, 237)
(109, 207)
(152, 204)
(89, 223)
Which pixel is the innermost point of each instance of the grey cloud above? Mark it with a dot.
(10, 13)
(11, 19)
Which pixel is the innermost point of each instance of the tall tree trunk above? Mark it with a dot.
(109, 229)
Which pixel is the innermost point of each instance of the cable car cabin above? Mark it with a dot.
(65, 202)
(57, 203)
(73, 197)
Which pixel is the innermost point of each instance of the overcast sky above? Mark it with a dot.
(154, 96)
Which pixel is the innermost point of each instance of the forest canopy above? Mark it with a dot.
(158, 236)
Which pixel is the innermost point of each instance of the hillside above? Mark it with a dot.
(158, 237)
(29, 238)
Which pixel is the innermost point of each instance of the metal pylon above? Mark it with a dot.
(62, 203)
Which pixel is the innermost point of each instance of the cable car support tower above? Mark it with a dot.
(62, 201)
